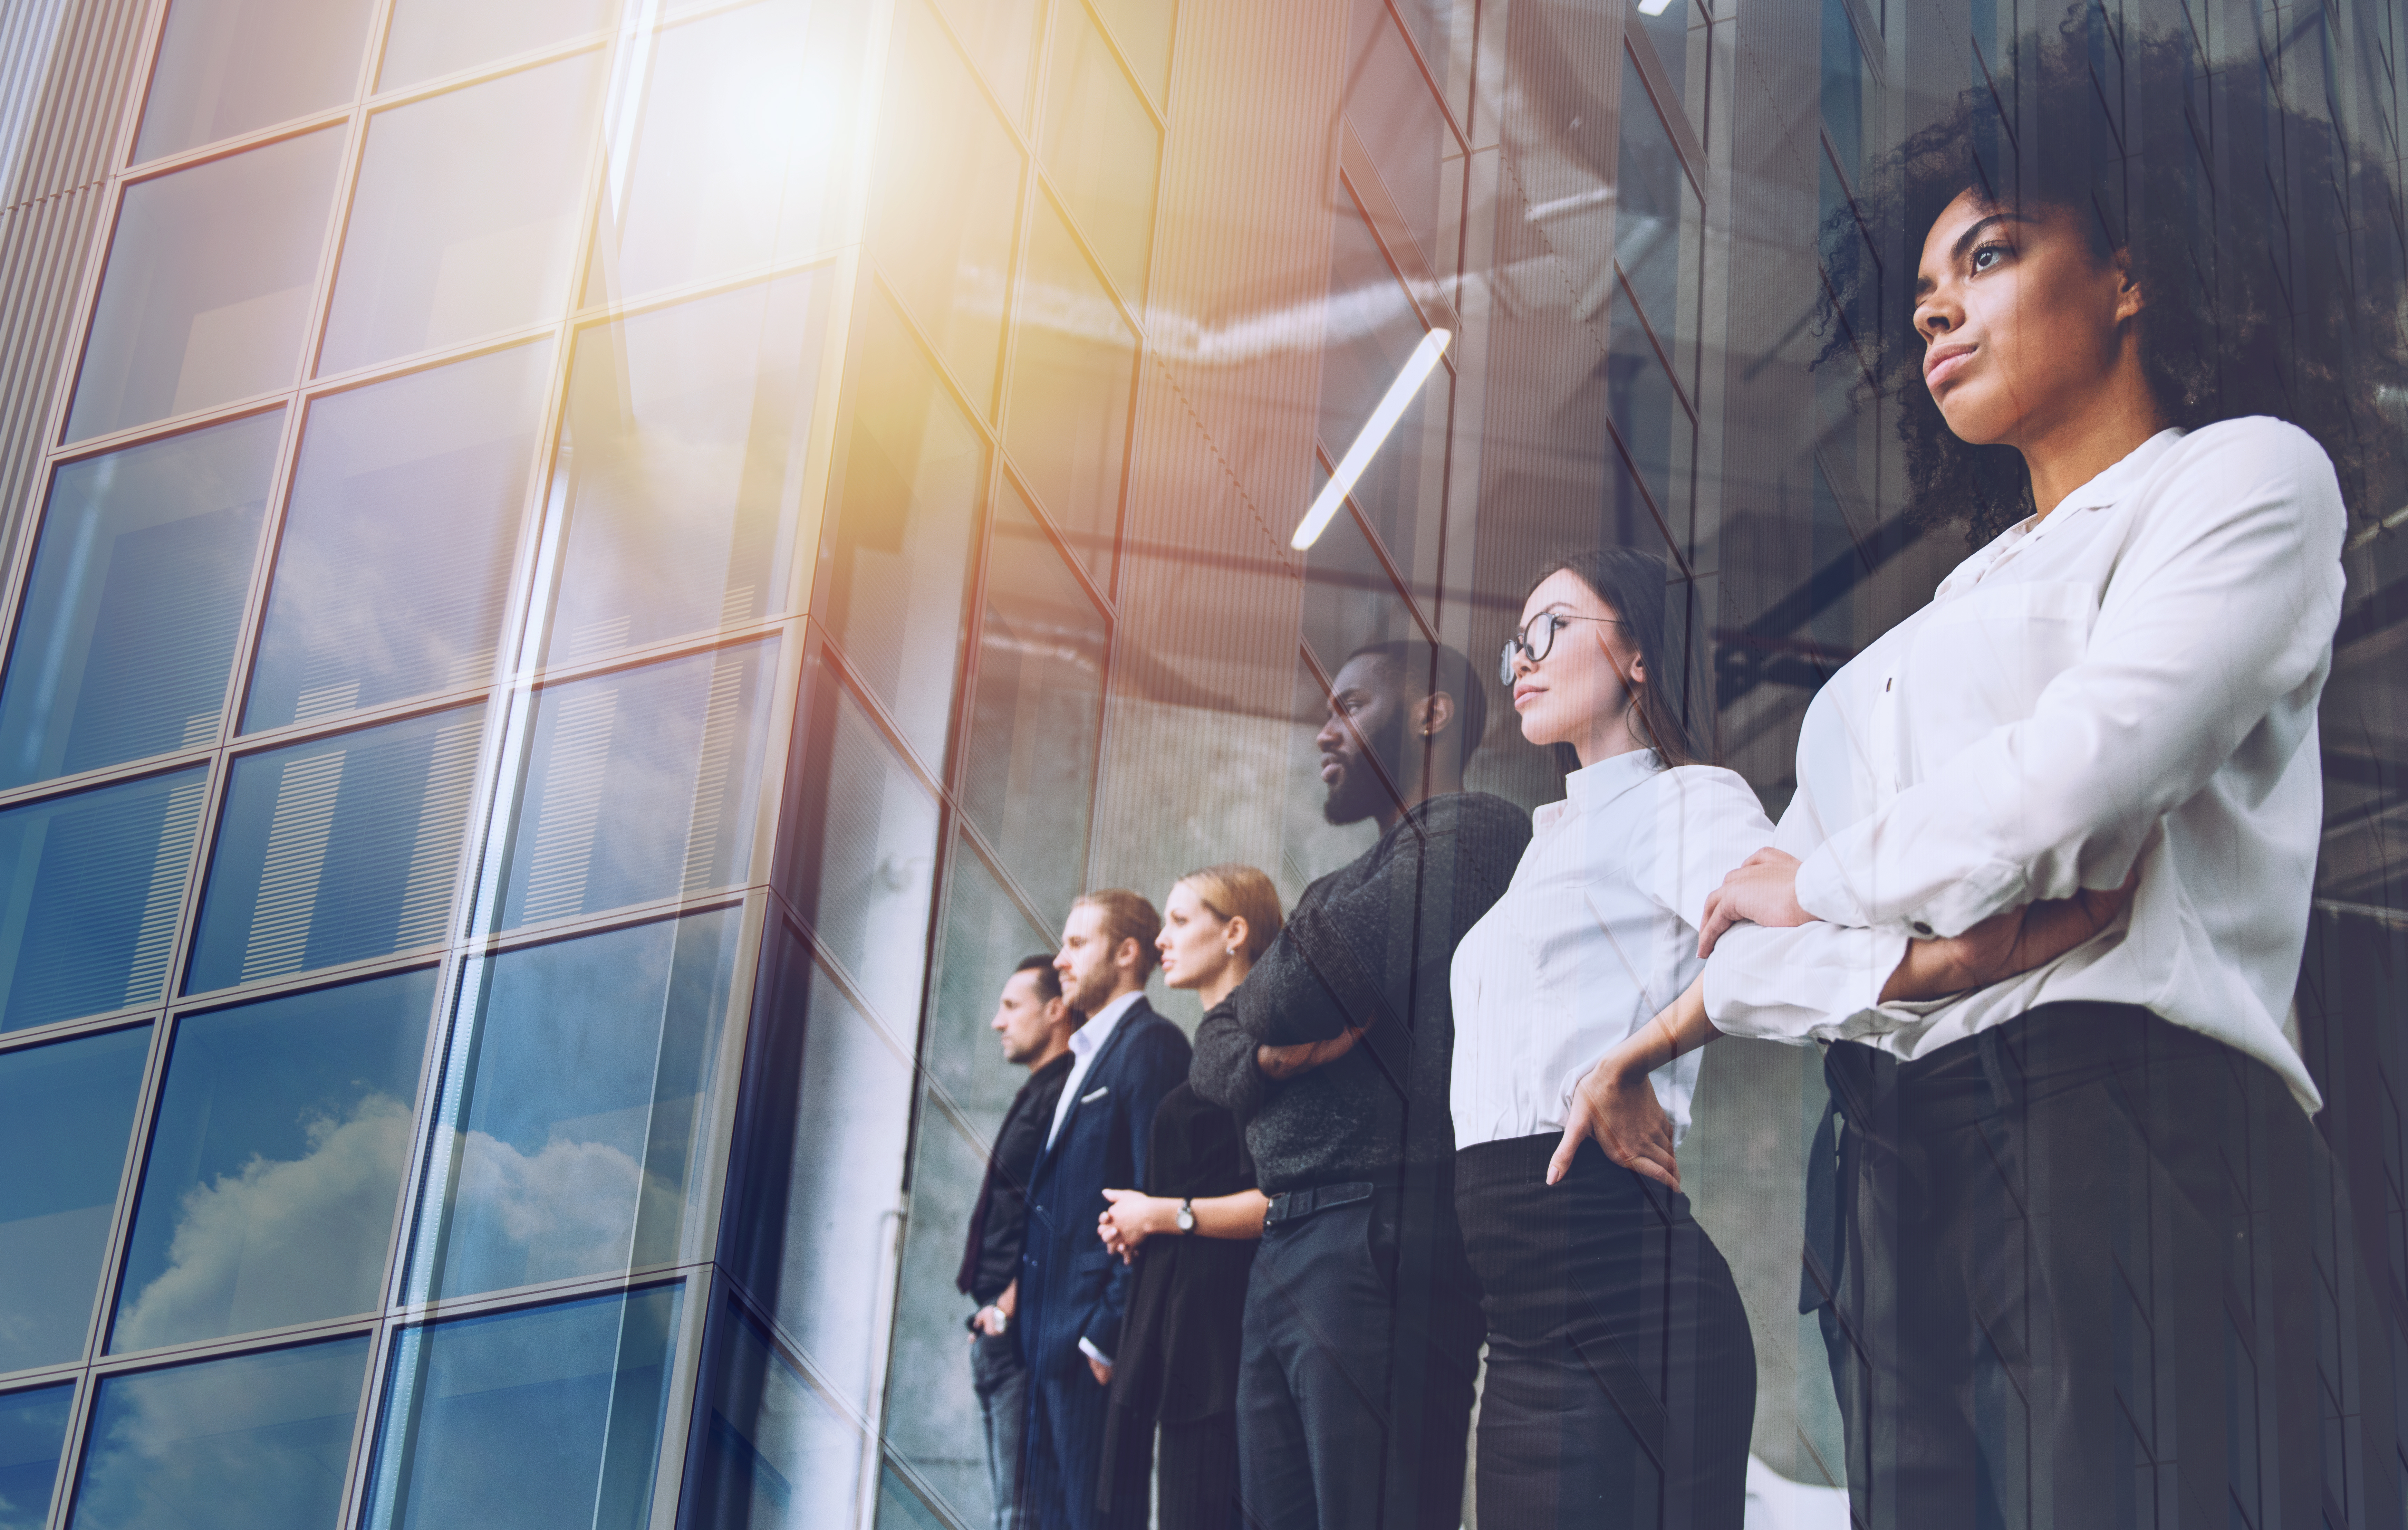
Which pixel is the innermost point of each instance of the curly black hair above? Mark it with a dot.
(2267, 249)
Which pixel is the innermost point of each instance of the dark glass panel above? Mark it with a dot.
(1073, 380)
(394, 565)
(578, 1088)
(1101, 150)
(65, 1110)
(89, 921)
(1391, 109)
(1029, 773)
(904, 532)
(680, 479)
(640, 784)
(228, 66)
(546, 1418)
(1655, 428)
(949, 180)
(135, 605)
(255, 1442)
(32, 1435)
(336, 850)
(280, 1143)
(1666, 25)
(206, 295)
(1653, 204)
(431, 38)
(465, 219)
(770, 1453)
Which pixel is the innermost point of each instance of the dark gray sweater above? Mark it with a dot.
(1371, 944)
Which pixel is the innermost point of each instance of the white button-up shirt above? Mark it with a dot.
(1596, 935)
(2131, 681)
(1085, 1042)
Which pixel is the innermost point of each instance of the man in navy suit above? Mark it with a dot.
(1072, 1293)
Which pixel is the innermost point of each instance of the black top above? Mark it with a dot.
(999, 1216)
(1371, 945)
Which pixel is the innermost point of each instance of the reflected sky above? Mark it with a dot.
(281, 1139)
(32, 1431)
(257, 1442)
(775, 1455)
(65, 1110)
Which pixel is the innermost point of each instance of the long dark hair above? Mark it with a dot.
(1632, 584)
(2272, 287)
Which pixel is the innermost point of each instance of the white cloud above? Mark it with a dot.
(569, 1208)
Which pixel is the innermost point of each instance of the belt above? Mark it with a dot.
(1295, 1204)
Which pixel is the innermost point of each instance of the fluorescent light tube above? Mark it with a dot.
(1383, 419)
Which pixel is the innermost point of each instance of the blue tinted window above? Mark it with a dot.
(639, 785)
(336, 850)
(135, 601)
(579, 1083)
(771, 1453)
(280, 1143)
(257, 1442)
(396, 554)
(64, 1113)
(541, 1419)
(32, 1431)
(87, 922)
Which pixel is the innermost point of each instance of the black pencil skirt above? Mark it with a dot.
(1621, 1379)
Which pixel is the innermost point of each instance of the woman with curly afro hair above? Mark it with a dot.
(2045, 885)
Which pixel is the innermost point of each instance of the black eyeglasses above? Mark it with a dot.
(1537, 639)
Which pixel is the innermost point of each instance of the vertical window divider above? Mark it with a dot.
(685, 1350)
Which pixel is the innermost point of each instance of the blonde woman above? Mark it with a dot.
(1192, 1234)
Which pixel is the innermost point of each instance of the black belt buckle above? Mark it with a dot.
(1295, 1204)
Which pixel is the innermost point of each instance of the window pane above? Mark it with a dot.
(135, 605)
(950, 178)
(64, 1113)
(905, 528)
(1349, 599)
(1374, 330)
(464, 221)
(281, 1144)
(228, 66)
(1143, 30)
(431, 38)
(540, 1419)
(771, 1454)
(1073, 376)
(1390, 107)
(1028, 774)
(639, 785)
(206, 295)
(732, 160)
(257, 1442)
(1002, 38)
(394, 561)
(336, 850)
(1102, 150)
(1654, 429)
(680, 466)
(579, 1079)
(33, 1432)
(1653, 198)
(88, 924)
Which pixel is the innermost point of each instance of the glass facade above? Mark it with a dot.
(600, 570)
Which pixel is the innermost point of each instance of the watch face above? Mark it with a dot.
(1186, 1218)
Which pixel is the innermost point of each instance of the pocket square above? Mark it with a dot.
(1091, 1099)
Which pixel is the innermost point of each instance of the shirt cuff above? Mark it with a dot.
(1814, 982)
(1088, 1349)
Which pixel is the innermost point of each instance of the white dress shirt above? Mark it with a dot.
(1596, 935)
(1085, 1042)
(2131, 681)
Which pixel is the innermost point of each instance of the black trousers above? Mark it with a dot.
(1196, 1475)
(1362, 1343)
(1621, 1384)
(2088, 1259)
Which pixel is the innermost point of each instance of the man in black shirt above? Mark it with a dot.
(1035, 1023)
(1363, 1326)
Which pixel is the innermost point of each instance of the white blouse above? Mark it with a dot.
(1596, 933)
(2132, 681)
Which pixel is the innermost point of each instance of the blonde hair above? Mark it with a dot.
(1127, 917)
(1234, 891)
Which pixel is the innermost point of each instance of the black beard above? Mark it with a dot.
(1360, 792)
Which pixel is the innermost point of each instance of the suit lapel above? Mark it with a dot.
(1091, 1081)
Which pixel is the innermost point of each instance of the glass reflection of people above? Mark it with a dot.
(1035, 1023)
(1191, 1232)
(1072, 1293)
(1362, 1327)
(2089, 1238)
(1597, 933)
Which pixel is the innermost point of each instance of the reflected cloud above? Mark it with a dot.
(570, 1208)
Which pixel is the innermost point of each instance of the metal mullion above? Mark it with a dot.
(89, 447)
(71, 1449)
(542, 1293)
(501, 943)
(322, 384)
(1060, 541)
(1429, 76)
(889, 731)
(1663, 356)
(685, 1369)
(129, 130)
(364, 1420)
(591, 315)
(701, 640)
(1321, 453)
(262, 565)
(34, 1376)
(1087, 249)
(429, 955)
(106, 776)
(484, 74)
(161, 166)
(718, 1133)
(286, 1336)
(82, 1025)
(1120, 57)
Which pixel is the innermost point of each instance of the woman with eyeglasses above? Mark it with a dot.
(1621, 1381)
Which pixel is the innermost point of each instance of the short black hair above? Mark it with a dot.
(1426, 669)
(2272, 287)
(1049, 982)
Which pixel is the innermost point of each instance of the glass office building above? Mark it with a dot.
(585, 576)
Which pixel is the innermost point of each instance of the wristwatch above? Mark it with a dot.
(1188, 1215)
